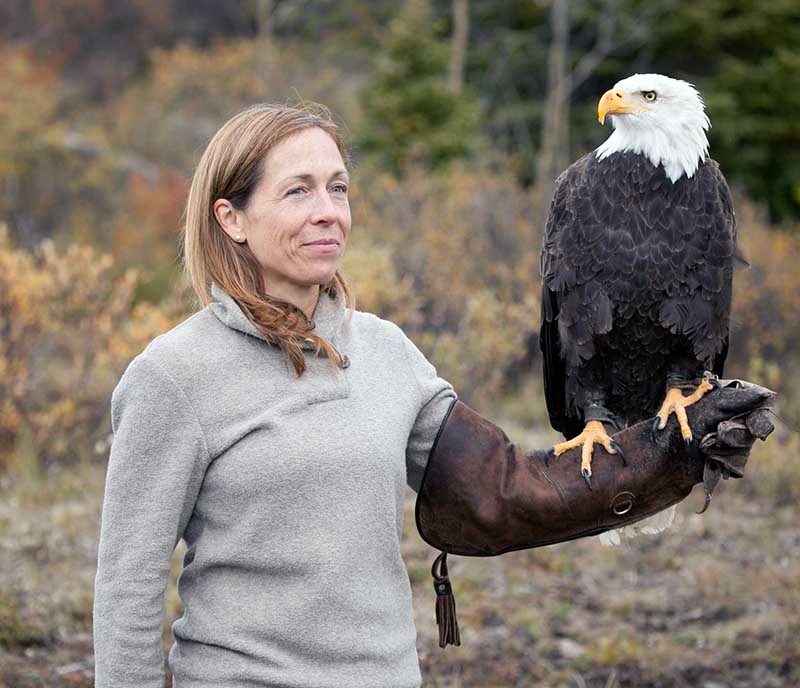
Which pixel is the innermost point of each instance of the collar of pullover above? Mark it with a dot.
(328, 315)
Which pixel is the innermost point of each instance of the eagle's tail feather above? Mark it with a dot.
(649, 526)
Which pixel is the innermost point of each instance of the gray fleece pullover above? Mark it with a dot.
(289, 494)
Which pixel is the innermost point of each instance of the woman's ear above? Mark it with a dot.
(230, 219)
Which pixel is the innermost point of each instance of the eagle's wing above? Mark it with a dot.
(729, 222)
(554, 368)
(555, 371)
(558, 281)
(704, 231)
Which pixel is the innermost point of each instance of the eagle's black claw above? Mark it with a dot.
(688, 442)
(551, 452)
(712, 379)
(619, 451)
(587, 477)
(654, 429)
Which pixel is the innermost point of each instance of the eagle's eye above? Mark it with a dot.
(649, 96)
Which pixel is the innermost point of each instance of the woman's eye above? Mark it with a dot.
(295, 191)
(649, 96)
(339, 188)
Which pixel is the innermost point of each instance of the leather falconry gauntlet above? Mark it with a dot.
(483, 496)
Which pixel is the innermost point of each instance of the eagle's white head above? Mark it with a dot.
(661, 118)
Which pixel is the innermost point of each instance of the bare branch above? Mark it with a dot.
(553, 150)
(603, 46)
(610, 38)
(458, 45)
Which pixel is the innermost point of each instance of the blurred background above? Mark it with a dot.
(460, 114)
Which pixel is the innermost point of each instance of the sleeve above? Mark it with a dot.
(156, 467)
(435, 396)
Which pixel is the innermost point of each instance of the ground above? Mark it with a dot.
(713, 603)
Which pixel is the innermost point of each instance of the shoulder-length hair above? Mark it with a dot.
(231, 168)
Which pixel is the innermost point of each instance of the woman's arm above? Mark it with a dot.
(482, 496)
(434, 397)
(156, 467)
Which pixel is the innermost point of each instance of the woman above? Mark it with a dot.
(284, 471)
(275, 431)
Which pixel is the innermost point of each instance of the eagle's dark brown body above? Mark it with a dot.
(636, 285)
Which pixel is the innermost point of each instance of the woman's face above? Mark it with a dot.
(298, 217)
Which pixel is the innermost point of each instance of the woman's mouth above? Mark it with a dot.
(324, 245)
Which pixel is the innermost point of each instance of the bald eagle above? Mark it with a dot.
(637, 265)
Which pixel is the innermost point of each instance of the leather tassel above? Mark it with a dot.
(445, 603)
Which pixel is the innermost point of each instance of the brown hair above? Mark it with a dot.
(231, 168)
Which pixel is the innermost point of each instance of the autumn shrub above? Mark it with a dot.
(765, 331)
(452, 259)
(68, 331)
(765, 347)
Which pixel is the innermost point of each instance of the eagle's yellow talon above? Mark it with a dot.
(676, 403)
(593, 433)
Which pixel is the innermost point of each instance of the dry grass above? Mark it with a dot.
(715, 602)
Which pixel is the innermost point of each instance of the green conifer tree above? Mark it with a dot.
(411, 116)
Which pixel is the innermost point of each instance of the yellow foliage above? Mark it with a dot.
(765, 330)
(68, 332)
(767, 295)
(379, 289)
(27, 105)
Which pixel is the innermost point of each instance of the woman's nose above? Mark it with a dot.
(324, 209)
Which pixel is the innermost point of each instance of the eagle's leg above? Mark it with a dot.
(593, 433)
(676, 403)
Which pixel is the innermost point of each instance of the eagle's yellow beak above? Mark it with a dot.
(613, 103)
